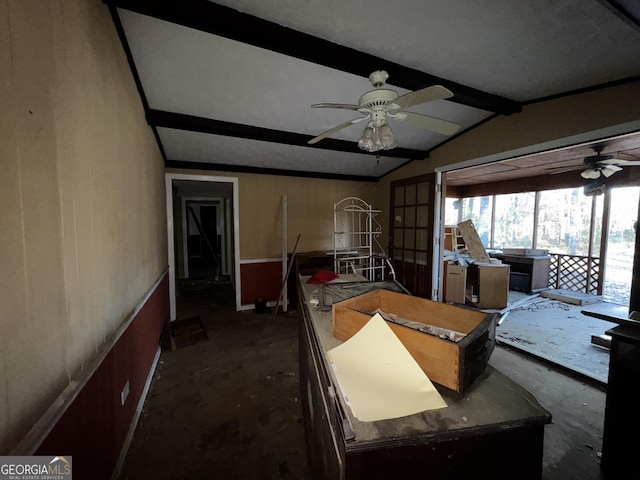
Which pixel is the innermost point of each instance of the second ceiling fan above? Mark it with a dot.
(605, 165)
(382, 104)
(599, 164)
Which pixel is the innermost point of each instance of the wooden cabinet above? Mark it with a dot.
(488, 285)
(496, 431)
(623, 389)
(452, 239)
(455, 283)
(529, 274)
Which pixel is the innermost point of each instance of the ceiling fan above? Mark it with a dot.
(605, 165)
(381, 104)
(598, 165)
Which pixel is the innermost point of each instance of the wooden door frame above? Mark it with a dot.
(169, 178)
(432, 269)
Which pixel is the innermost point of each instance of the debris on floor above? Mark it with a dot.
(187, 332)
(568, 296)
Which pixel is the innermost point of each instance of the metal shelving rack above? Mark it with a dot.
(355, 240)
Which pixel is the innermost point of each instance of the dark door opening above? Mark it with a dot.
(203, 240)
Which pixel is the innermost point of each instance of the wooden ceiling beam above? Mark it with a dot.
(159, 118)
(226, 22)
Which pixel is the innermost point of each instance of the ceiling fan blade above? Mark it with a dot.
(556, 170)
(335, 129)
(429, 123)
(611, 161)
(619, 161)
(590, 174)
(610, 170)
(336, 105)
(434, 92)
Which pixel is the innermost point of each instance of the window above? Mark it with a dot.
(564, 221)
(514, 214)
(479, 211)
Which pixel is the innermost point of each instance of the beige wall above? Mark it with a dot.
(82, 222)
(538, 124)
(310, 210)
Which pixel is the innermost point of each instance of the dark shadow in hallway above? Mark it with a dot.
(228, 407)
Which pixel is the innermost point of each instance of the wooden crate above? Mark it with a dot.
(454, 365)
(187, 332)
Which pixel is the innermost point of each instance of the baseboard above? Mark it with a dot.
(134, 422)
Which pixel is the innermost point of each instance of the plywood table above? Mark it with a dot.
(495, 430)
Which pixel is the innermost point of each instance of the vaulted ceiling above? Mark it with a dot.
(228, 85)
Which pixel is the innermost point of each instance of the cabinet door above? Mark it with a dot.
(323, 439)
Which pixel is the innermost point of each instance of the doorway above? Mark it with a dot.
(203, 238)
(202, 231)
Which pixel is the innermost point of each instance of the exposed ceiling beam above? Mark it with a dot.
(229, 23)
(159, 118)
(628, 10)
(266, 171)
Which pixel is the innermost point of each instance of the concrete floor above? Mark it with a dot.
(560, 333)
(229, 407)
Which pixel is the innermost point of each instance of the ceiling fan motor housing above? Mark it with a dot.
(593, 159)
(375, 103)
(378, 78)
(377, 98)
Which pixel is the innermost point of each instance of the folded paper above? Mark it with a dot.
(379, 378)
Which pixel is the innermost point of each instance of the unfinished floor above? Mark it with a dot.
(560, 333)
(229, 407)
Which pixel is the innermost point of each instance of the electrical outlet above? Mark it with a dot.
(124, 393)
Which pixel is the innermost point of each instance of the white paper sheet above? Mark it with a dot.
(378, 376)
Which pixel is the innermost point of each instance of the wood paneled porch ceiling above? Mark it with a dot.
(550, 166)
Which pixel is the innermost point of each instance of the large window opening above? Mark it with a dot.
(567, 223)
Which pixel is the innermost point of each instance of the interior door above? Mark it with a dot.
(411, 235)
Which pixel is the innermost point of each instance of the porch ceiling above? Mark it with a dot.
(543, 165)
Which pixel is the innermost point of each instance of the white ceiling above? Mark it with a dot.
(228, 85)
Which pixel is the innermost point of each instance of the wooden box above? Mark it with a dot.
(453, 364)
(488, 285)
(187, 332)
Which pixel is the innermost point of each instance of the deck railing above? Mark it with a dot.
(577, 273)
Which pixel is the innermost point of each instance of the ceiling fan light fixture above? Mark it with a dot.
(387, 139)
(590, 174)
(367, 141)
(377, 137)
